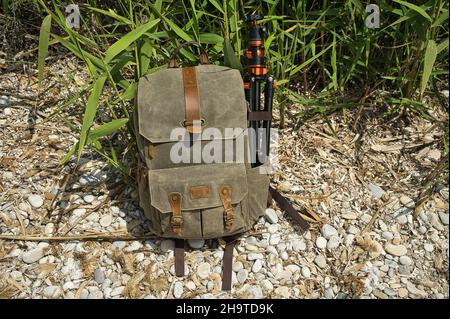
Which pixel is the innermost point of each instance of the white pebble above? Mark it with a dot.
(35, 200)
(178, 289)
(257, 266)
(196, 243)
(321, 242)
(271, 216)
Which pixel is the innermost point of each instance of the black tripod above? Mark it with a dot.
(255, 75)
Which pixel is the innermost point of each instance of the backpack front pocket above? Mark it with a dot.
(200, 201)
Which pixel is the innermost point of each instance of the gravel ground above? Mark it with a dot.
(360, 193)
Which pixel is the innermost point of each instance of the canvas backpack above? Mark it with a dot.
(198, 199)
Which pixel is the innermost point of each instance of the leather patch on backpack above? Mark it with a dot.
(199, 192)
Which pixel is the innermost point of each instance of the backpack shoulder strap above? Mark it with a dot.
(227, 264)
(179, 257)
(284, 205)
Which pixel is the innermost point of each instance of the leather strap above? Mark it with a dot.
(203, 55)
(192, 100)
(227, 264)
(177, 217)
(289, 209)
(225, 197)
(259, 116)
(179, 257)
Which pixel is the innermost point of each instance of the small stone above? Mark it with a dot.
(203, 270)
(298, 245)
(328, 231)
(7, 111)
(328, 293)
(405, 260)
(284, 255)
(4, 100)
(177, 290)
(387, 235)
(306, 272)
(320, 261)
(333, 242)
(35, 200)
(377, 191)
(403, 293)
(407, 201)
(275, 239)
(119, 244)
(68, 286)
(422, 230)
(242, 275)
(257, 266)
(117, 291)
(283, 291)
(97, 294)
(88, 198)
(84, 294)
(352, 230)
(444, 217)
(285, 186)
(434, 154)
(436, 222)
(266, 285)
(379, 294)
(79, 212)
(366, 218)
(341, 295)
(256, 292)
(167, 245)
(191, 285)
(106, 220)
(428, 247)
(390, 292)
(349, 239)
(349, 216)
(135, 245)
(271, 216)
(99, 276)
(293, 268)
(273, 228)
(49, 229)
(414, 290)
(237, 266)
(24, 207)
(402, 220)
(196, 243)
(272, 250)
(321, 242)
(254, 256)
(33, 255)
(404, 270)
(52, 291)
(395, 250)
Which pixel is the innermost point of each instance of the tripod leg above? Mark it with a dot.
(256, 88)
(268, 103)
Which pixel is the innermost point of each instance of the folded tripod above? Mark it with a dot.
(255, 75)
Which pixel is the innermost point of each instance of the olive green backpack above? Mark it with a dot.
(198, 199)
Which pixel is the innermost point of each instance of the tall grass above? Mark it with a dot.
(316, 46)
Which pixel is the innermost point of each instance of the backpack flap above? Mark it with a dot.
(211, 199)
(161, 102)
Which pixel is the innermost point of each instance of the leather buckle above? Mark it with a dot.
(177, 217)
(225, 197)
